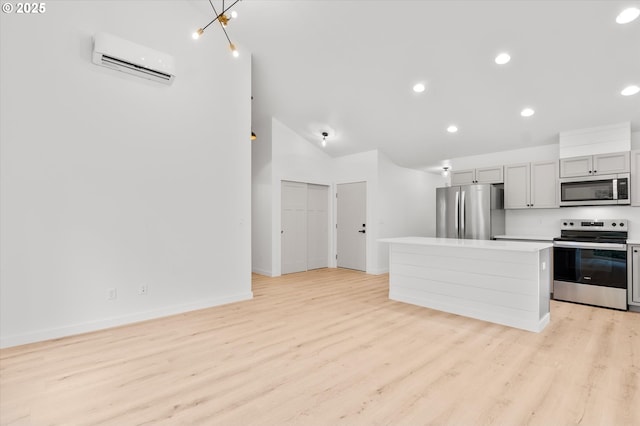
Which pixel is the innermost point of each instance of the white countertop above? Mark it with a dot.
(525, 237)
(633, 241)
(479, 244)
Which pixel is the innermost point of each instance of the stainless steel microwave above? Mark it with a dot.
(595, 190)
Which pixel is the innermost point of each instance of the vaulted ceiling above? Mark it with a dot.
(348, 67)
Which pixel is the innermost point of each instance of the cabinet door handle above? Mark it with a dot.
(595, 171)
(589, 171)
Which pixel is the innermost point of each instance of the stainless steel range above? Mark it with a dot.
(590, 262)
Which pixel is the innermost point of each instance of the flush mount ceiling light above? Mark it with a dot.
(419, 87)
(630, 90)
(223, 19)
(445, 171)
(452, 129)
(628, 15)
(324, 139)
(527, 112)
(502, 58)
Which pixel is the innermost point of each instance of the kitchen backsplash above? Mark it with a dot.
(546, 222)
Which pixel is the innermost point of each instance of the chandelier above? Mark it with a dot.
(223, 19)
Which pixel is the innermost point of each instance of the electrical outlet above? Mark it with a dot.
(143, 290)
(112, 294)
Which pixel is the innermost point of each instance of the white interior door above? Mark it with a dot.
(317, 226)
(294, 227)
(352, 224)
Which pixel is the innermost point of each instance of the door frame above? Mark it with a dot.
(370, 226)
(276, 244)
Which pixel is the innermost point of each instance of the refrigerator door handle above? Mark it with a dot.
(462, 217)
(457, 221)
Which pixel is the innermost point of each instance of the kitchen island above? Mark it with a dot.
(505, 282)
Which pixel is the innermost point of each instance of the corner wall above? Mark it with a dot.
(399, 200)
(112, 181)
(407, 205)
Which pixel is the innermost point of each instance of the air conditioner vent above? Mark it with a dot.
(110, 61)
(125, 56)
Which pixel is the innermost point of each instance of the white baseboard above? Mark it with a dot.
(101, 324)
(380, 271)
(260, 271)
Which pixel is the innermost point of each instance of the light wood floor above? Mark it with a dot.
(328, 347)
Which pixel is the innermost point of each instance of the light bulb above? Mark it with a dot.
(452, 129)
(628, 15)
(234, 51)
(419, 88)
(324, 142)
(234, 14)
(197, 34)
(630, 90)
(502, 58)
(527, 112)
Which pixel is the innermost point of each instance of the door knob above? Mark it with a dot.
(362, 231)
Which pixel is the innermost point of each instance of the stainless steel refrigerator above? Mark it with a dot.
(470, 211)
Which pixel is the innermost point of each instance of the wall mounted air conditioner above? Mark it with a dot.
(126, 56)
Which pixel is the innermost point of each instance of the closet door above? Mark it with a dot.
(317, 226)
(294, 227)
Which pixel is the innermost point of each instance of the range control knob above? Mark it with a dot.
(621, 223)
(571, 223)
(565, 223)
(613, 224)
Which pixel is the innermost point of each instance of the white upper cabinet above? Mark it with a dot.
(544, 185)
(590, 165)
(531, 185)
(463, 177)
(482, 175)
(605, 164)
(635, 178)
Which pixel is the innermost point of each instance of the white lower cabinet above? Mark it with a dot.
(531, 185)
(633, 262)
(635, 177)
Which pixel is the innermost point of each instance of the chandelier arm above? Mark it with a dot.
(220, 22)
(225, 10)
(212, 21)
(225, 32)
(214, 9)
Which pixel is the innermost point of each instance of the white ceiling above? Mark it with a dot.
(348, 67)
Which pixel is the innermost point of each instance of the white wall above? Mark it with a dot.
(261, 200)
(363, 167)
(538, 153)
(109, 180)
(399, 200)
(635, 140)
(407, 204)
(293, 159)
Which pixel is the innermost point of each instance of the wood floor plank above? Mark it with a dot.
(329, 347)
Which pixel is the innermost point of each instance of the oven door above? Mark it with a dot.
(596, 264)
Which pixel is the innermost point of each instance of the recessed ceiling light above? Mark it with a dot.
(452, 129)
(419, 87)
(628, 15)
(630, 90)
(503, 58)
(527, 112)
